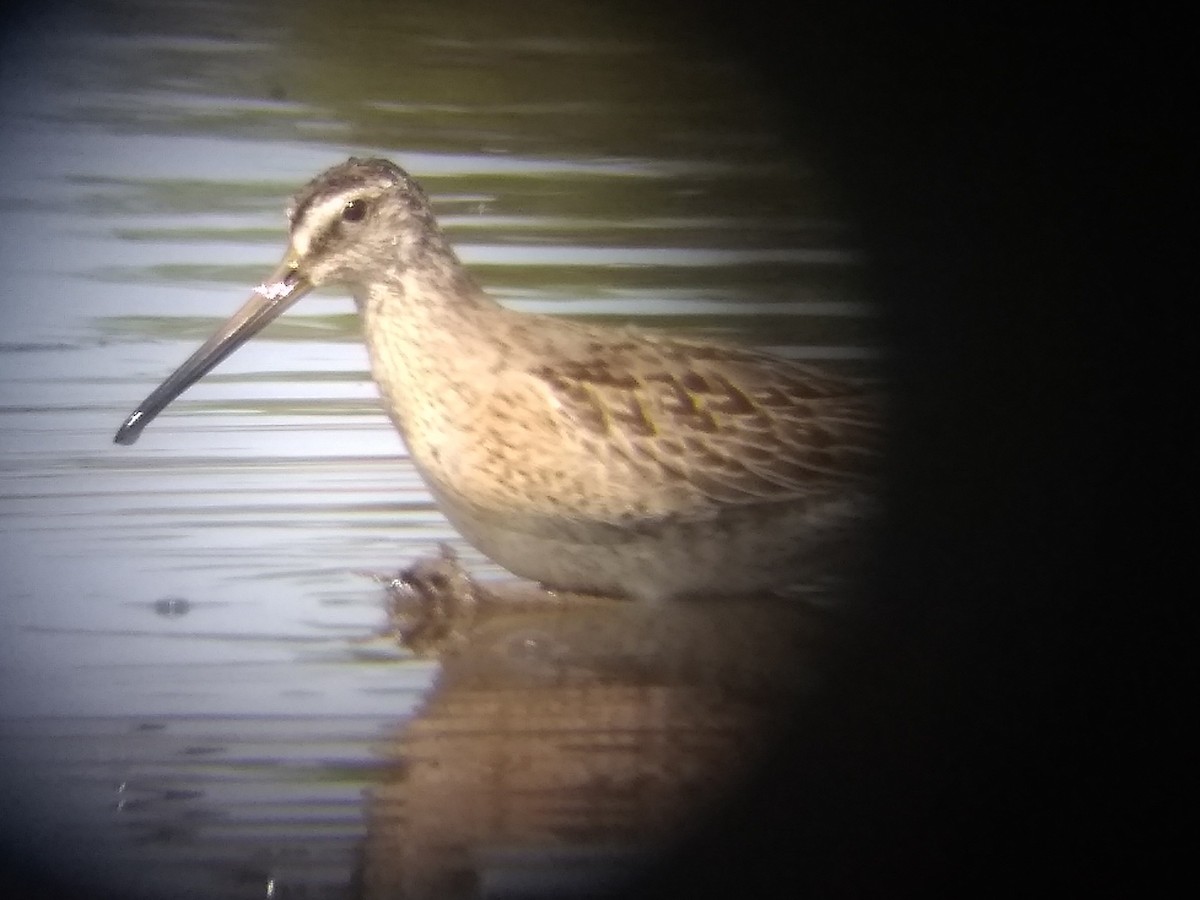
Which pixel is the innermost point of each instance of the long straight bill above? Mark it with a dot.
(267, 303)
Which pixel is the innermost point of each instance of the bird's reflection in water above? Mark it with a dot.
(569, 741)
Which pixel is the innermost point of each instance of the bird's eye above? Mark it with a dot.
(354, 211)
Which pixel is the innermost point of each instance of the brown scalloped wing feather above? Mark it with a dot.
(740, 426)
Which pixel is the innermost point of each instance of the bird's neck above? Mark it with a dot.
(430, 333)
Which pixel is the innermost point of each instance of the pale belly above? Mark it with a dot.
(733, 552)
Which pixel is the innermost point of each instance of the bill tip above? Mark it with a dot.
(129, 430)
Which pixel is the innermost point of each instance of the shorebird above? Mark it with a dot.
(592, 459)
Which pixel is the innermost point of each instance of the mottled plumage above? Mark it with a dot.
(588, 458)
